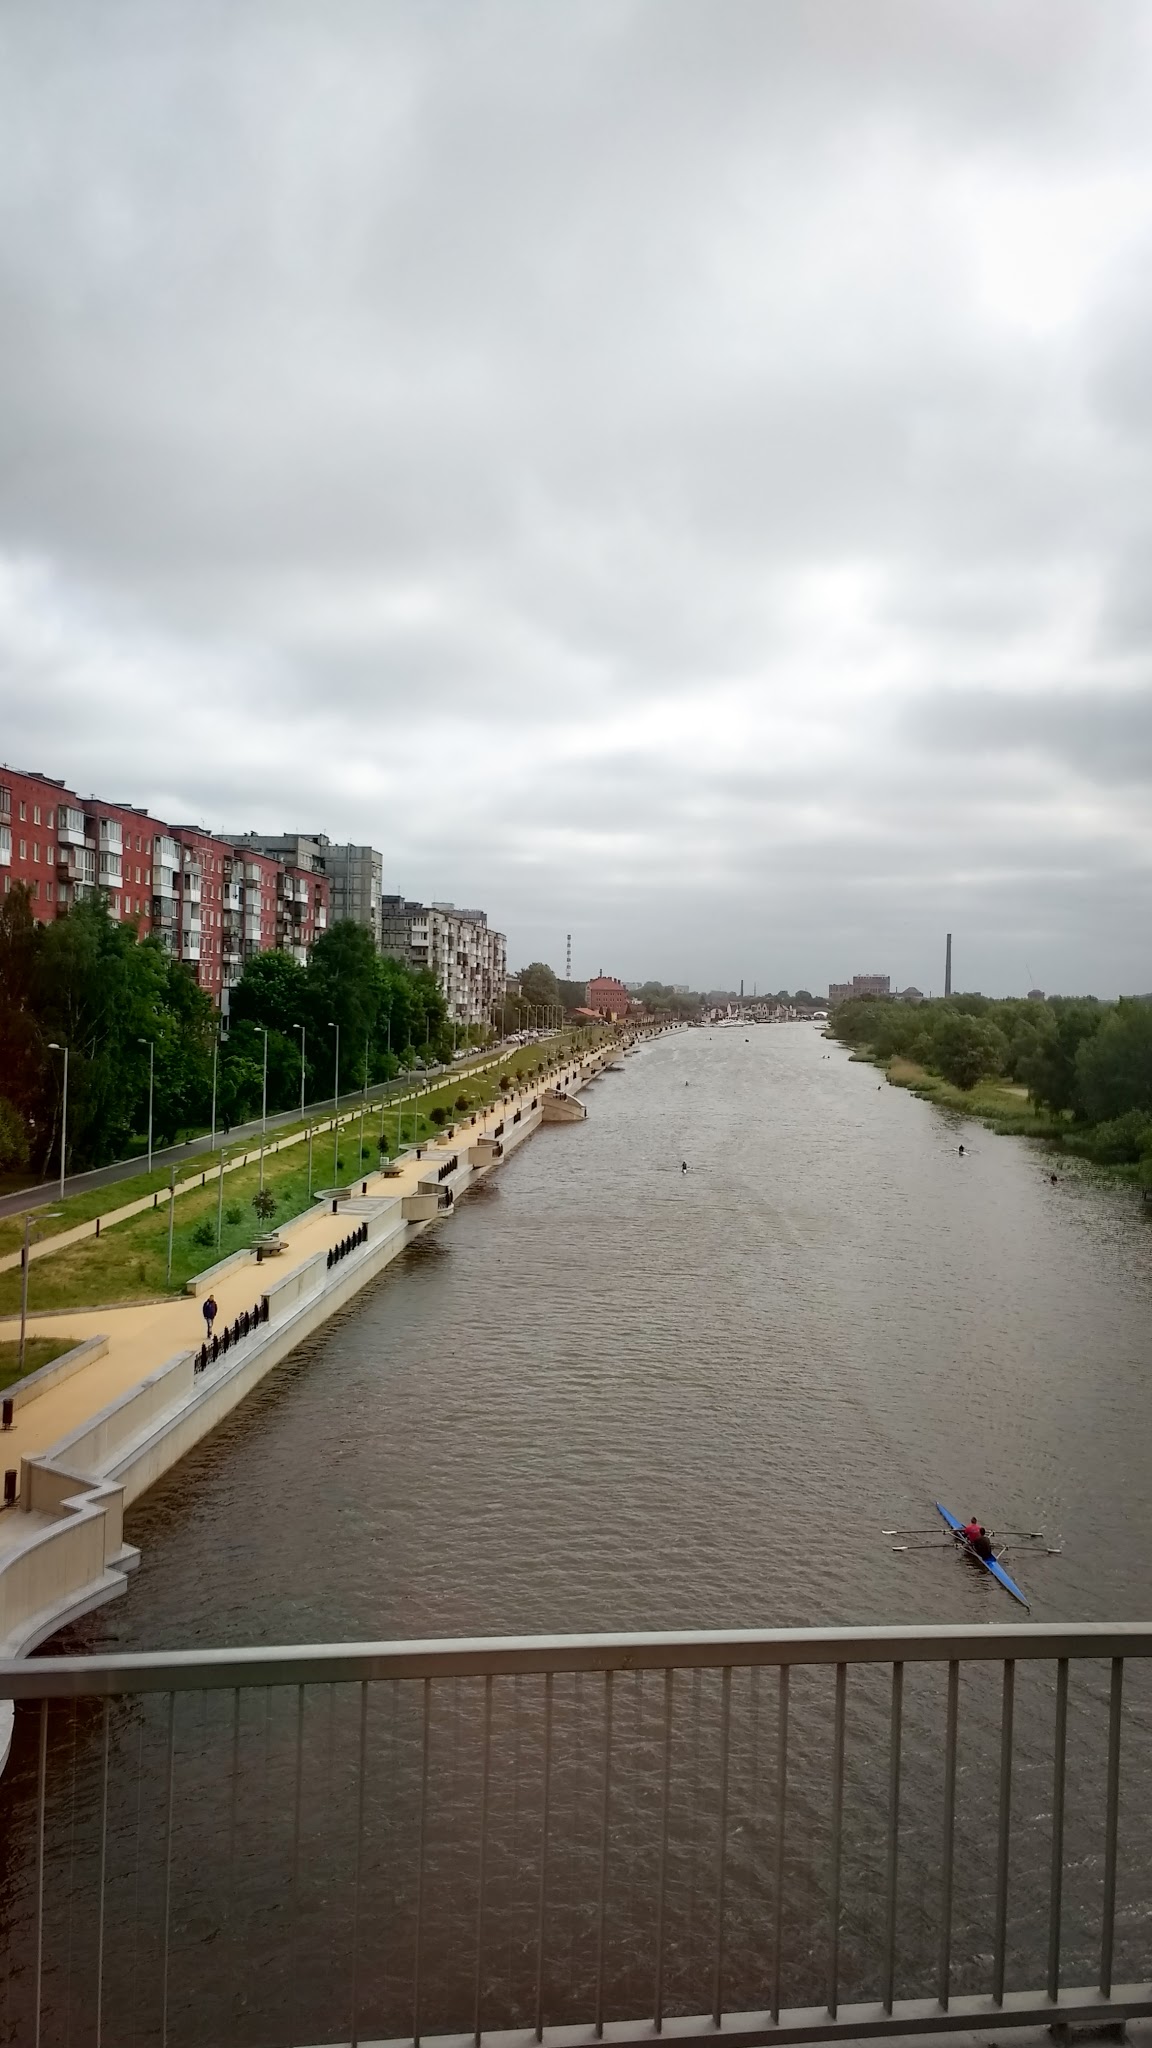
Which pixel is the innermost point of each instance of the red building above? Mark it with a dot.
(209, 903)
(608, 997)
(65, 847)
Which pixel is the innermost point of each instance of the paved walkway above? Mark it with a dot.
(144, 1335)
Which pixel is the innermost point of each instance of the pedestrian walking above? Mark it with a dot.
(209, 1312)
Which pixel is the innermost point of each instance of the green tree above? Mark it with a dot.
(538, 985)
(1114, 1066)
(967, 1049)
(1048, 1067)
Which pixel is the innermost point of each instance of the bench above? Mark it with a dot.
(269, 1247)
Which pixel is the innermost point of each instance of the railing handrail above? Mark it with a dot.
(508, 1656)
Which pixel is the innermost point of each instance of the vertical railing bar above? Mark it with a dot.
(781, 1798)
(722, 1843)
(41, 1805)
(168, 1867)
(894, 1747)
(662, 1879)
(107, 1730)
(604, 1824)
(359, 1869)
(420, 1852)
(1000, 1939)
(837, 1839)
(544, 1819)
(234, 1796)
(484, 1785)
(1056, 1887)
(298, 1796)
(943, 1986)
(1108, 1918)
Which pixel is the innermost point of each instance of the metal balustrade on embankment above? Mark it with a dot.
(783, 1836)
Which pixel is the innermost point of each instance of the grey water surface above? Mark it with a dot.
(611, 1395)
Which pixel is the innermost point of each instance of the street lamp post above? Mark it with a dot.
(171, 1220)
(215, 1066)
(53, 1047)
(220, 1202)
(264, 1108)
(31, 1223)
(335, 1104)
(151, 1044)
(303, 1042)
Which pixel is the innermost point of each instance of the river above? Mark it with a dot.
(609, 1394)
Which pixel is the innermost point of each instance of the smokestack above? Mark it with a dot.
(948, 965)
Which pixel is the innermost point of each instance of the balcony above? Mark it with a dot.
(232, 898)
(189, 945)
(165, 910)
(191, 881)
(5, 846)
(753, 1836)
(70, 827)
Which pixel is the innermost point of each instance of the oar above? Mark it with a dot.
(929, 1531)
(1030, 1533)
(920, 1546)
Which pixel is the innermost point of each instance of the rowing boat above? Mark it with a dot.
(990, 1564)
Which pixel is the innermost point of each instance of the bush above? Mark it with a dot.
(384, 1149)
(1121, 1141)
(461, 1103)
(966, 1049)
(13, 1137)
(264, 1203)
(234, 1214)
(205, 1234)
(504, 1083)
(439, 1116)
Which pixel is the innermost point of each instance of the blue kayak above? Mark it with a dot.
(990, 1564)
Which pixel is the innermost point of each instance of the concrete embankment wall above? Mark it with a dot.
(62, 1551)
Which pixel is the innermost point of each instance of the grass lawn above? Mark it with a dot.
(1001, 1104)
(38, 1351)
(84, 1208)
(128, 1262)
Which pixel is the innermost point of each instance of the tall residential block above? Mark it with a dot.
(458, 947)
(354, 874)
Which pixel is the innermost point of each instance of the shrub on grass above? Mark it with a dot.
(439, 1116)
(204, 1234)
(461, 1103)
(504, 1083)
(264, 1203)
(234, 1214)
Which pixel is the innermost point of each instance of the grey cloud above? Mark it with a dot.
(606, 455)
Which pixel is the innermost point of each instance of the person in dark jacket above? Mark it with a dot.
(209, 1312)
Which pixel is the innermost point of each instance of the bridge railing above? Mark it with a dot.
(785, 1835)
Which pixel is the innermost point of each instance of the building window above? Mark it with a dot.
(23, 844)
(36, 851)
(36, 889)
(50, 855)
(49, 820)
(23, 812)
(48, 891)
(35, 814)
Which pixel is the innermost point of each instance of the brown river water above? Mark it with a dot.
(611, 1395)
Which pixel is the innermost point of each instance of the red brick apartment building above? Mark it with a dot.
(209, 904)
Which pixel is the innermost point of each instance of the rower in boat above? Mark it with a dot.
(977, 1538)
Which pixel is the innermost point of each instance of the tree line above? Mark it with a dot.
(122, 1007)
(1087, 1062)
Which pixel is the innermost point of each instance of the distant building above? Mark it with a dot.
(608, 996)
(860, 985)
(909, 995)
(1036, 995)
(467, 958)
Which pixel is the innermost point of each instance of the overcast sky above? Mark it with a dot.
(674, 471)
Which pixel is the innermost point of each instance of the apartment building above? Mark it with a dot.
(467, 958)
(860, 985)
(65, 847)
(354, 874)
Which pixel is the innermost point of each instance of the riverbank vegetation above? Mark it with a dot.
(1075, 1071)
(129, 1015)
